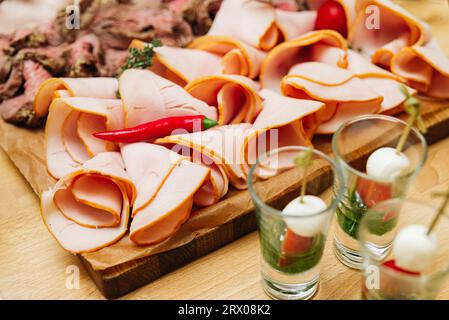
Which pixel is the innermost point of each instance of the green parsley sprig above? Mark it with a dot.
(141, 58)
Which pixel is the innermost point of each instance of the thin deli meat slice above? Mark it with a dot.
(166, 186)
(237, 57)
(102, 88)
(219, 148)
(68, 131)
(259, 24)
(182, 65)
(88, 209)
(344, 95)
(381, 28)
(425, 68)
(234, 96)
(302, 49)
(147, 96)
(283, 121)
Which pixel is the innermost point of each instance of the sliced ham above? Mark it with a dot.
(237, 57)
(68, 132)
(148, 97)
(426, 68)
(259, 24)
(181, 65)
(397, 28)
(219, 148)
(283, 121)
(102, 88)
(344, 95)
(166, 186)
(234, 96)
(279, 60)
(88, 209)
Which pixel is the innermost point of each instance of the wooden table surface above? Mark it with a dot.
(33, 266)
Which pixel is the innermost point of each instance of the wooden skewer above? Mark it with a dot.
(304, 160)
(440, 210)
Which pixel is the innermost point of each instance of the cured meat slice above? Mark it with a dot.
(237, 56)
(234, 96)
(148, 97)
(283, 121)
(89, 208)
(166, 185)
(259, 24)
(219, 148)
(279, 60)
(181, 65)
(426, 68)
(343, 94)
(68, 132)
(102, 88)
(382, 27)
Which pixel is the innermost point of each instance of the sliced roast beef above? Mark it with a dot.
(19, 110)
(12, 85)
(198, 13)
(85, 56)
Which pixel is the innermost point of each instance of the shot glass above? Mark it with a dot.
(352, 145)
(380, 279)
(292, 244)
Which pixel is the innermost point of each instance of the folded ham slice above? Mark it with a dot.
(234, 96)
(344, 95)
(166, 185)
(282, 122)
(237, 57)
(426, 68)
(148, 97)
(68, 132)
(259, 24)
(220, 148)
(102, 88)
(181, 65)
(396, 29)
(312, 46)
(88, 209)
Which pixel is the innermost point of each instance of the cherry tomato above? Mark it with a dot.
(392, 265)
(295, 244)
(373, 192)
(331, 15)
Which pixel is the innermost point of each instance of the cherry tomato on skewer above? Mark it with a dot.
(331, 15)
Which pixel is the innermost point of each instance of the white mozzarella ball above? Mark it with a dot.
(386, 163)
(413, 249)
(305, 226)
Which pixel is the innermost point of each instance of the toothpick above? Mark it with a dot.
(440, 210)
(412, 106)
(304, 160)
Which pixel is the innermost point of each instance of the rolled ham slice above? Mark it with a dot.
(148, 97)
(259, 24)
(88, 209)
(166, 186)
(219, 148)
(234, 96)
(283, 121)
(426, 68)
(397, 28)
(237, 57)
(68, 131)
(101, 88)
(302, 49)
(344, 95)
(181, 65)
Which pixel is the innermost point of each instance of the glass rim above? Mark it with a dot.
(390, 271)
(275, 212)
(351, 169)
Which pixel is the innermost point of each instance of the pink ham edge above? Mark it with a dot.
(59, 146)
(81, 239)
(147, 97)
(102, 88)
(234, 96)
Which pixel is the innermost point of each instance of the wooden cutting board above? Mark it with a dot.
(118, 280)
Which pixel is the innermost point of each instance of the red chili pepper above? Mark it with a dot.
(392, 265)
(157, 129)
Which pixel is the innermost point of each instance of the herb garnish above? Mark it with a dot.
(141, 58)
